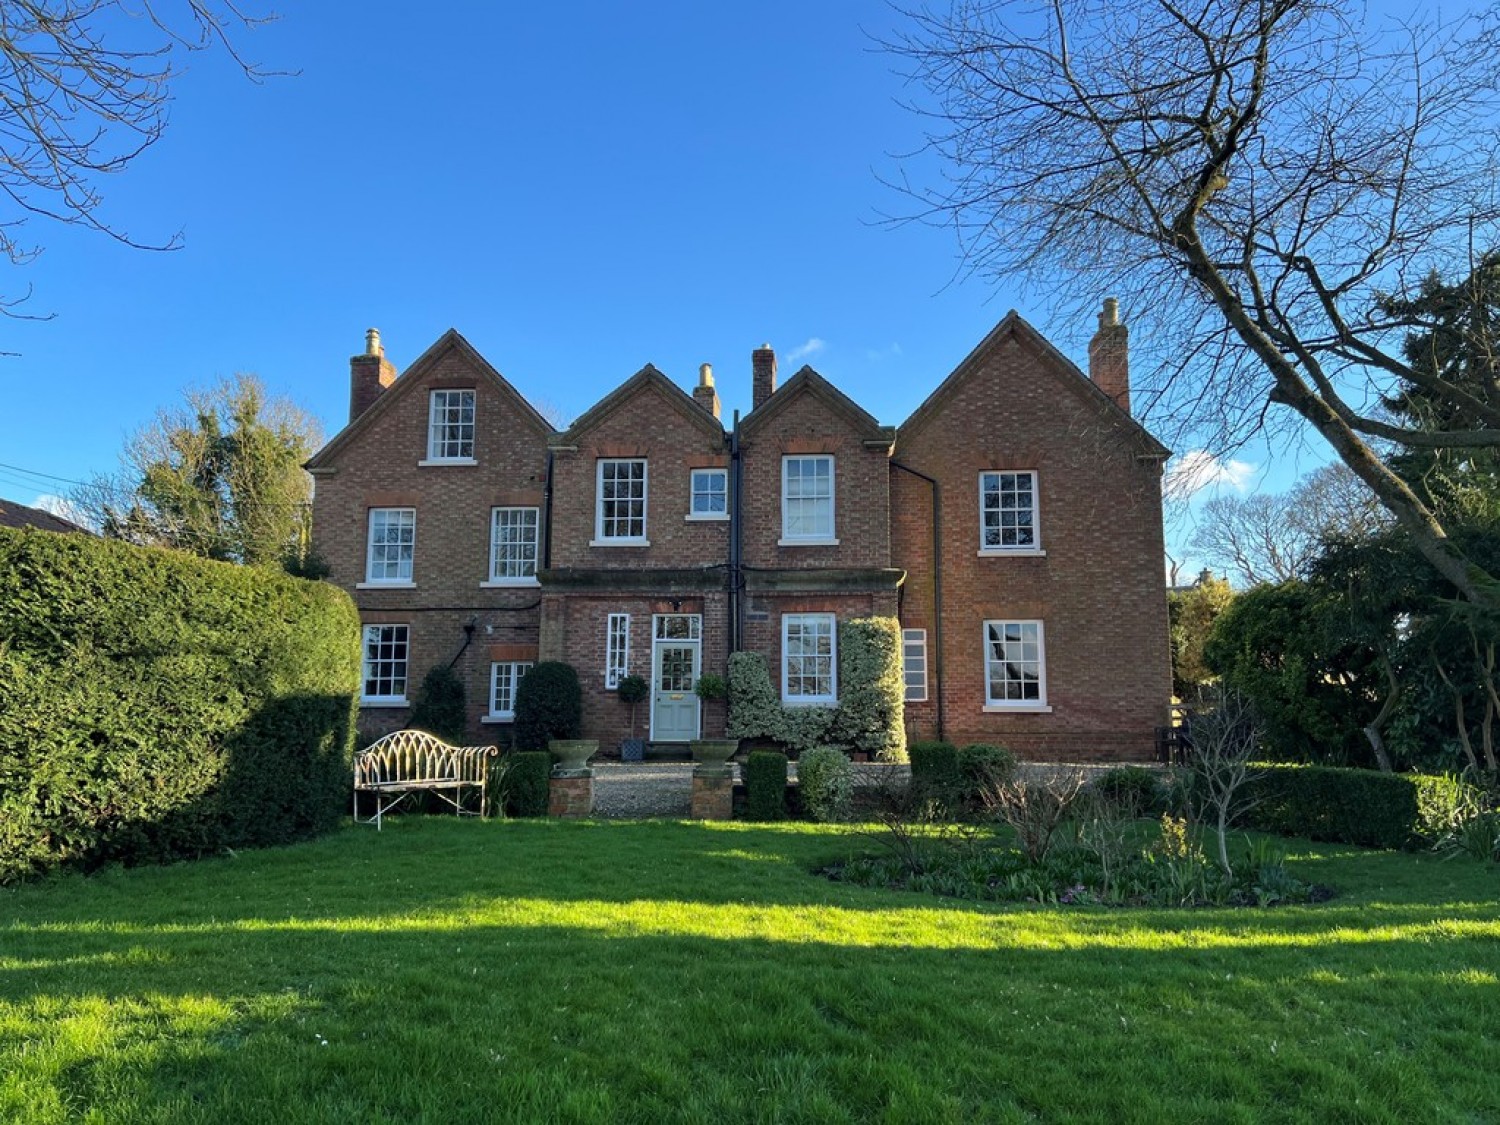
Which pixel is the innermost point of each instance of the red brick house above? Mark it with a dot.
(1012, 524)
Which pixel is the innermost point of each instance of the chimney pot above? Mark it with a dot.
(705, 375)
(372, 342)
(704, 394)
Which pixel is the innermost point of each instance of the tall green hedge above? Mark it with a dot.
(1349, 806)
(156, 706)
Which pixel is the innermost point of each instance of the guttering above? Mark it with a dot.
(937, 584)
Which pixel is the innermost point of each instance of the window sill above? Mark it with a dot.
(383, 702)
(492, 719)
(437, 462)
(509, 583)
(1017, 708)
(1013, 552)
(385, 585)
(619, 542)
(811, 701)
(807, 542)
(691, 518)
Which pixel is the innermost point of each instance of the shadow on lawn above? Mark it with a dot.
(366, 1023)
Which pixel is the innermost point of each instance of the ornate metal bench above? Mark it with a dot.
(413, 761)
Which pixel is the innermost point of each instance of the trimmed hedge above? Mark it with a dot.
(765, 785)
(525, 785)
(1347, 806)
(825, 778)
(982, 767)
(935, 773)
(549, 704)
(155, 706)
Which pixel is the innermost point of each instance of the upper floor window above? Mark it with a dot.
(710, 494)
(384, 665)
(1007, 512)
(1015, 668)
(393, 537)
(505, 677)
(620, 516)
(807, 499)
(914, 663)
(809, 658)
(513, 544)
(450, 426)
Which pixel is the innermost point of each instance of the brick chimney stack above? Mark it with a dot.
(369, 375)
(704, 394)
(763, 375)
(1109, 355)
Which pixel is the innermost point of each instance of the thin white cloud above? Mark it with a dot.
(1198, 469)
(875, 355)
(813, 347)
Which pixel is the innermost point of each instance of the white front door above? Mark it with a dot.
(676, 655)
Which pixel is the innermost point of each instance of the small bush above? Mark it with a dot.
(827, 782)
(981, 768)
(524, 787)
(440, 708)
(549, 704)
(1133, 791)
(1347, 806)
(935, 774)
(765, 785)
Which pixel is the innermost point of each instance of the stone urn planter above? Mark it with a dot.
(570, 754)
(713, 754)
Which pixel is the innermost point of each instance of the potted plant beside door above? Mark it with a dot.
(713, 752)
(632, 690)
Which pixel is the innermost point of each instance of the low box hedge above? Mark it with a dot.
(156, 706)
(1347, 806)
(765, 785)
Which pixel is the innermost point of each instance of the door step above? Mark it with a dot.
(668, 752)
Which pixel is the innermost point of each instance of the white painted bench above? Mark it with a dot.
(413, 761)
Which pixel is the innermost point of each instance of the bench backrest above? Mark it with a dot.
(416, 756)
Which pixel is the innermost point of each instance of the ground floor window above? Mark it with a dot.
(616, 650)
(1015, 670)
(808, 658)
(914, 663)
(505, 676)
(385, 660)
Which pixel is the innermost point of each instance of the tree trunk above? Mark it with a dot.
(1373, 728)
(1459, 715)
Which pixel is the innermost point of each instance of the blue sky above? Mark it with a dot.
(579, 189)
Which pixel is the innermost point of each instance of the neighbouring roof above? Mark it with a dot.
(1012, 324)
(808, 381)
(646, 377)
(450, 340)
(19, 515)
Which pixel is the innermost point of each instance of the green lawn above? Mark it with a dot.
(547, 971)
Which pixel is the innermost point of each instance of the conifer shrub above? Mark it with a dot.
(826, 779)
(155, 706)
(765, 785)
(935, 776)
(549, 704)
(440, 707)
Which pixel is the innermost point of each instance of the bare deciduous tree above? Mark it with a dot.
(84, 90)
(1251, 177)
(1224, 743)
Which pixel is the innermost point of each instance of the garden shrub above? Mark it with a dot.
(1134, 791)
(156, 706)
(440, 708)
(765, 785)
(524, 787)
(549, 704)
(981, 768)
(935, 775)
(1347, 806)
(827, 782)
(754, 705)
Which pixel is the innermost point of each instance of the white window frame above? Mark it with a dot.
(820, 539)
(693, 494)
(787, 621)
(917, 638)
(1035, 546)
(616, 650)
(602, 540)
(1038, 704)
(515, 669)
(371, 581)
(366, 665)
(437, 431)
(531, 579)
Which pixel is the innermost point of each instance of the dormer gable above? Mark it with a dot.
(808, 382)
(450, 344)
(647, 381)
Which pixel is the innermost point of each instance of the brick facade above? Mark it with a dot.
(1094, 581)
